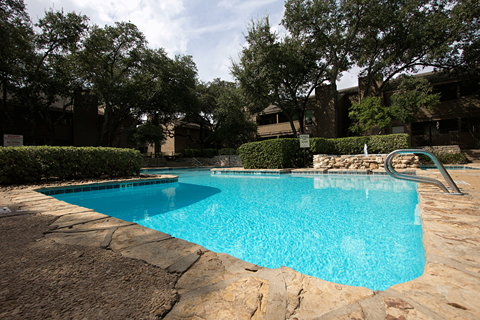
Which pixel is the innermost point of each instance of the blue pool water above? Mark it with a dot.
(354, 230)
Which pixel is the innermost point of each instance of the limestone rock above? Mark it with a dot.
(164, 253)
(135, 235)
(448, 291)
(242, 299)
(310, 298)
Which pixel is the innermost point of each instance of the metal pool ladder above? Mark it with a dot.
(391, 171)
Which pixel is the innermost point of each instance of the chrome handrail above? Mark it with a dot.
(391, 171)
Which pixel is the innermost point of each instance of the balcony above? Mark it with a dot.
(283, 128)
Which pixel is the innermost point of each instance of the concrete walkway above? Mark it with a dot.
(217, 286)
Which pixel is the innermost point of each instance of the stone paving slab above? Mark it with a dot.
(135, 235)
(244, 298)
(310, 298)
(76, 218)
(105, 223)
(464, 252)
(62, 212)
(88, 239)
(448, 291)
(162, 253)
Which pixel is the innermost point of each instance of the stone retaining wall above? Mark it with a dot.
(371, 162)
(443, 149)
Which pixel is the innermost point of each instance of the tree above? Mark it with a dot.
(16, 36)
(41, 71)
(233, 125)
(278, 71)
(331, 28)
(401, 36)
(411, 95)
(110, 58)
(220, 112)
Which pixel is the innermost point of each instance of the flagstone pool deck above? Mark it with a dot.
(218, 286)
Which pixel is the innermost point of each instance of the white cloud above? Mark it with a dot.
(211, 31)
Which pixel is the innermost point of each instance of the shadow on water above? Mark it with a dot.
(138, 203)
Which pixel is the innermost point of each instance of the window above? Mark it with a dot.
(448, 91)
(308, 116)
(399, 129)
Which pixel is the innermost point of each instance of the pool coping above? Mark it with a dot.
(448, 288)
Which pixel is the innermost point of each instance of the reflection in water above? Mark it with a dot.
(362, 183)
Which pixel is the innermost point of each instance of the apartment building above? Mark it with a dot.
(454, 121)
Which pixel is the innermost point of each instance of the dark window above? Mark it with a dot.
(447, 126)
(266, 119)
(469, 88)
(448, 91)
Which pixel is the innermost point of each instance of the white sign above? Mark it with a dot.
(304, 141)
(12, 140)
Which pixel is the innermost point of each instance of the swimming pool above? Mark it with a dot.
(354, 230)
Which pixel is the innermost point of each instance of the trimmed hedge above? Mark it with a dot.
(30, 164)
(209, 153)
(189, 153)
(286, 153)
(445, 158)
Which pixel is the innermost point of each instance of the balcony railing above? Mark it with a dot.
(276, 129)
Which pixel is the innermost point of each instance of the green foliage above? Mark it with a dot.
(278, 70)
(412, 94)
(227, 151)
(31, 164)
(209, 153)
(388, 143)
(271, 154)
(445, 158)
(286, 153)
(189, 153)
(149, 133)
(369, 113)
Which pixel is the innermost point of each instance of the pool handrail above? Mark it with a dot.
(391, 171)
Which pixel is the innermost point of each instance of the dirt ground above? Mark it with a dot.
(40, 279)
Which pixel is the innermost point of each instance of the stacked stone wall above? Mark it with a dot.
(358, 162)
(443, 149)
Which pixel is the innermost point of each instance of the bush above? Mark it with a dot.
(30, 164)
(388, 143)
(271, 154)
(445, 158)
(189, 153)
(209, 153)
(227, 151)
(286, 153)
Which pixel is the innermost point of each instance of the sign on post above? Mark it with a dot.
(12, 140)
(304, 141)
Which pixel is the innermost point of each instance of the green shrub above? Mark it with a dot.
(351, 145)
(445, 158)
(209, 153)
(189, 153)
(271, 154)
(30, 164)
(388, 143)
(227, 151)
(286, 153)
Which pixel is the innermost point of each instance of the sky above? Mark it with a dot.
(211, 31)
